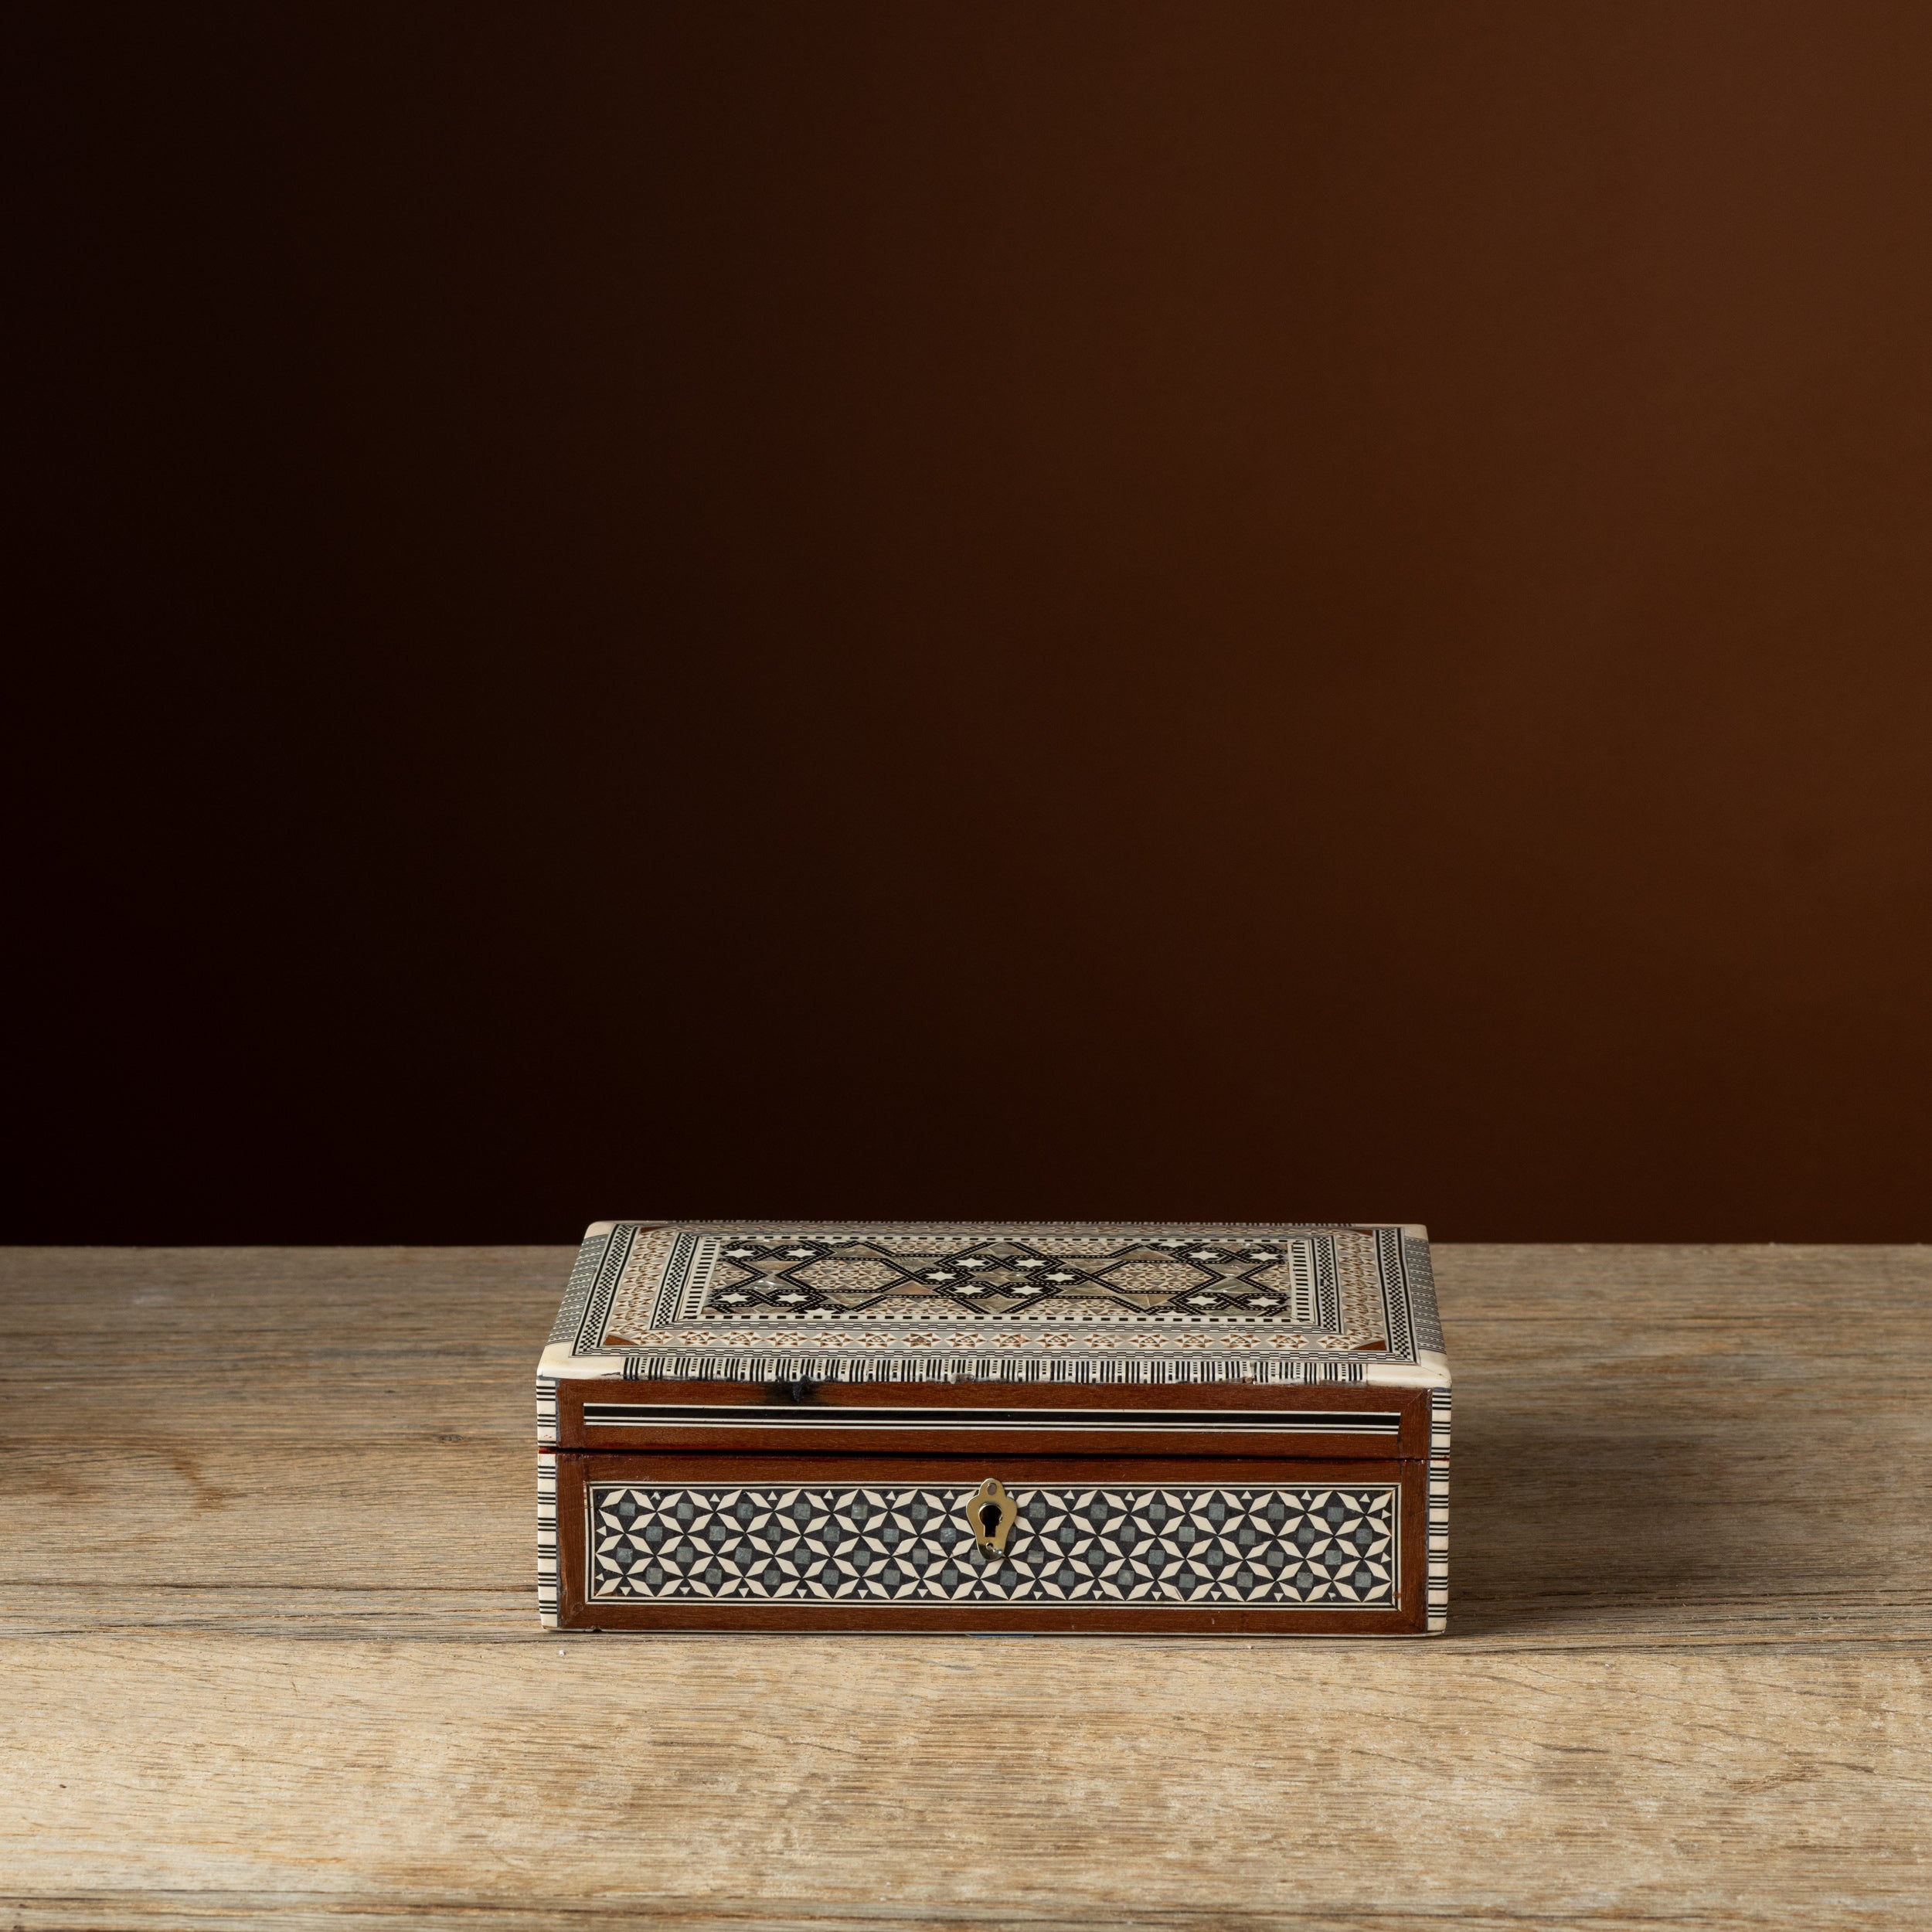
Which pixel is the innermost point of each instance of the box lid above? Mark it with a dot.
(929, 1302)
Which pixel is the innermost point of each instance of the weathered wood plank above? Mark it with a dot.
(204, 1912)
(1053, 1777)
(266, 1619)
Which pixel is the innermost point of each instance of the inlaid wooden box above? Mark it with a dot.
(1232, 1429)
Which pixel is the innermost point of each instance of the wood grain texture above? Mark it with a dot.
(267, 1626)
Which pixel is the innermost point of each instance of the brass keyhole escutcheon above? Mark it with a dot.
(992, 1513)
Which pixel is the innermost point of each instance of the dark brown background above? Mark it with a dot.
(1094, 609)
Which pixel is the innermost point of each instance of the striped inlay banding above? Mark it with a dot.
(1438, 1550)
(1289, 1422)
(548, 1597)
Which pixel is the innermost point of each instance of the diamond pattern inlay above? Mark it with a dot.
(820, 1276)
(1097, 1544)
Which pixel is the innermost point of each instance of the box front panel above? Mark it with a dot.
(1223, 1546)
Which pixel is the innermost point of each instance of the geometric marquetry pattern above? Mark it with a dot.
(805, 1275)
(1081, 1301)
(1228, 1545)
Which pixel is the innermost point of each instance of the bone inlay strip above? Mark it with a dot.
(640, 1415)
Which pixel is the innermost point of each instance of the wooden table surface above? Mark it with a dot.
(271, 1654)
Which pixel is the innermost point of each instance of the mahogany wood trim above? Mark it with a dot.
(826, 1400)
